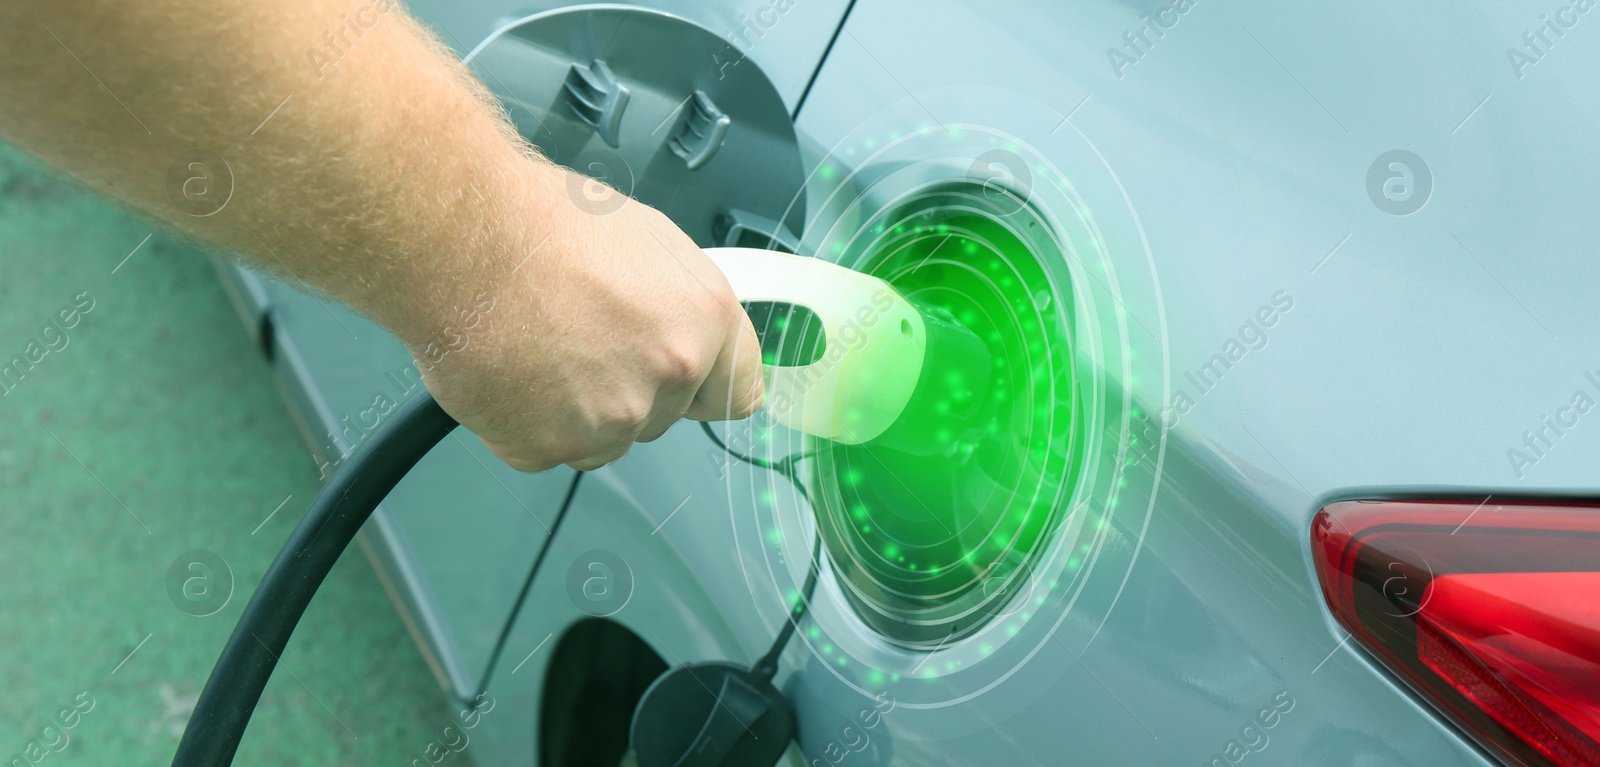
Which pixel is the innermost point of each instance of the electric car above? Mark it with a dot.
(1289, 450)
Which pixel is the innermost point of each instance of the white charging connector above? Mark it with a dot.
(873, 343)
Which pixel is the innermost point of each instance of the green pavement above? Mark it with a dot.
(147, 428)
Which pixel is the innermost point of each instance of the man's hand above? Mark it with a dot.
(616, 327)
(364, 161)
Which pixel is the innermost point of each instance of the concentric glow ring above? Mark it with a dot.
(1087, 291)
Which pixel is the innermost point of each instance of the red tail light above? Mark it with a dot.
(1490, 611)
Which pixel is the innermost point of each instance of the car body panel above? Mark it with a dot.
(1228, 163)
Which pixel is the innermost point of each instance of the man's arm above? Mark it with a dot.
(366, 162)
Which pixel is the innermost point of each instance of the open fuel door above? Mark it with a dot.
(658, 108)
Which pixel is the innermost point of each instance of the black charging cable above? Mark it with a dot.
(767, 666)
(373, 469)
(717, 713)
(234, 688)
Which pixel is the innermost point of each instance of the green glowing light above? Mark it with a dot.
(945, 525)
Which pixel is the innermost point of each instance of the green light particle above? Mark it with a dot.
(813, 632)
(875, 677)
(825, 171)
(827, 649)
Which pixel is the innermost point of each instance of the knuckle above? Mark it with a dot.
(628, 413)
(598, 460)
(747, 405)
(530, 466)
(522, 460)
(680, 365)
(558, 449)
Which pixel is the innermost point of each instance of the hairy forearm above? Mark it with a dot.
(363, 160)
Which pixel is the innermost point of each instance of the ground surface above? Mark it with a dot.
(148, 430)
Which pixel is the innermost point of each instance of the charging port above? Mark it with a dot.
(930, 547)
